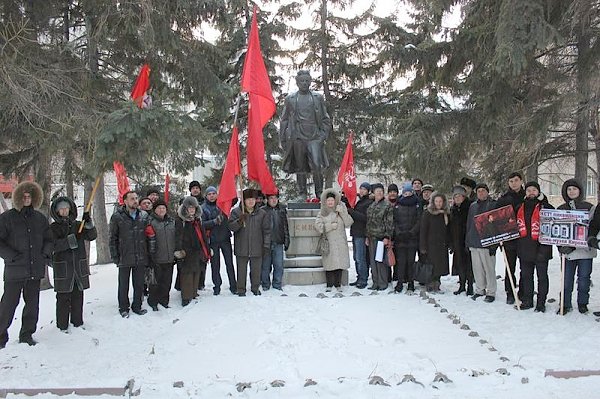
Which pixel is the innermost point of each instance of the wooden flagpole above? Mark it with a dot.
(90, 201)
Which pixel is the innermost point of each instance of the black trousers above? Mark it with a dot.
(461, 261)
(215, 265)
(137, 277)
(405, 260)
(526, 288)
(511, 254)
(69, 305)
(9, 302)
(159, 292)
(334, 278)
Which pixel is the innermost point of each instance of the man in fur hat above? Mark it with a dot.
(26, 247)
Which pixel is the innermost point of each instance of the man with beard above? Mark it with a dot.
(514, 197)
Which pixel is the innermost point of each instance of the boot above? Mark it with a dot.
(460, 290)
(398, 287)
(470, 289)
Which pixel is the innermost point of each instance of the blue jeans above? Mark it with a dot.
(359, 250)
(584, 271)
(273, 258)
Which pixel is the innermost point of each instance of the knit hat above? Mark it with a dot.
(393, 187)
(194, 183)
(406, 187)
(249, 193)
(459, 190)
(376, 186)
(160, 202)
(533, 184)
(63, 204)
(427, 187)
(482, 185)
(211, 189)
(366, 185)
(465, 181)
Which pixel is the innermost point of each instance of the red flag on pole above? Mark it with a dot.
(167, 184)
(141, 86)
(227, 188)
(347, 175)
(255, 82)
(122, 180)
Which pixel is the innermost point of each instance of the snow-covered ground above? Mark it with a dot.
(340, 343)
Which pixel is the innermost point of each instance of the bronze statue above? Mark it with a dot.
(305, 125)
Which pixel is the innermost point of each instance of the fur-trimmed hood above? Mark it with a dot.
(338, 197)
(54, 211)
(37, 195)
(574, 183)
(183, 213)
(431, 207)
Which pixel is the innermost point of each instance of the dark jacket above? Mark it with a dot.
(528, 249)
(128, 242)
(359, 215)
(254, 238)
(25, 238)
(407, 222)
(380, 220)
(434, 239)
(215, 222)
(457, 228)
(187, 239)
(472, 239)
(280, 232)
(70, 266)
(165, 230)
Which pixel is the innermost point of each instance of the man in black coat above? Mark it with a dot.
(69, 261)
(533, 256)
(407, 224)
(26, 247)
(129, 251)
(215, 222)
(461, 258)
(280, 242)
(514, 197)
(358, 231)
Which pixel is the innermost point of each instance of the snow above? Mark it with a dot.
(340, 343)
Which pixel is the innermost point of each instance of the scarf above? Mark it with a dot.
(535, 222)
(200, 236)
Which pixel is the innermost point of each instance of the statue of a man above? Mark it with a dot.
(305, 125)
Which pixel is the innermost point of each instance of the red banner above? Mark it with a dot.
(347, 174)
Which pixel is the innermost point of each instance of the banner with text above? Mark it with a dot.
(564, 228)
(497, 226)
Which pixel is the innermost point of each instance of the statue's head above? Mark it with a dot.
(303, 80)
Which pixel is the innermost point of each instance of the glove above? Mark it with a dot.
(86, 217)
(243, 218)
(493, 251)
(219, 219)
(565, 250)
(346, 201)
(593, 242)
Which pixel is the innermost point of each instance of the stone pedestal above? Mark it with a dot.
(302, 265)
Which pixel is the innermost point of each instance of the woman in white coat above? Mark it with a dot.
(333, 221)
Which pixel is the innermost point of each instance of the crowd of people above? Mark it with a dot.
(390, 231)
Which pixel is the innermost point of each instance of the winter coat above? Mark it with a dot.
(472, 239)
(215, 222)
(333, 222)
(254, 238)
(187, 240)
(128, 242)
(380, 220)
(457, 229)
(70, 266)
(280, 232)
(165, 230)
(25, 238)
(434, 238)
(407, 222)
(528, 249)
(359, 215)
(579, 204)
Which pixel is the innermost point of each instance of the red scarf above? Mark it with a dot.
(200, 236)
(535, 222)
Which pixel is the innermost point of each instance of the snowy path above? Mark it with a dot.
(338, 342)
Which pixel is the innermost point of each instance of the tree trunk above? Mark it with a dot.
(532, 171)
(43, 176)
(102, 250)
(69, 183)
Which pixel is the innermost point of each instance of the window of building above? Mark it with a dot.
(592, 185)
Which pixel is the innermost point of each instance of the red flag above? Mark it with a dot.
(141, 86)
(255, 81)
(347, 175)
(122, 180)
(227, 188)
(167, 184)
